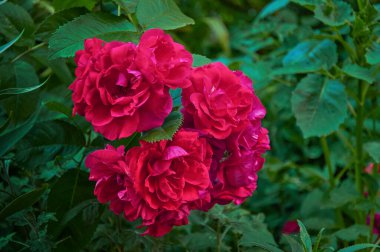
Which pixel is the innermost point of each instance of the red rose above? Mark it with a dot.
(162, 60)
(219, 101)
(113, 95)
(157, 181)
(291, 227)
(115, 185)
(170, 173)
(236, 177)
(166, 220)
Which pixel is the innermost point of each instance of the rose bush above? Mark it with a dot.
(214, 158)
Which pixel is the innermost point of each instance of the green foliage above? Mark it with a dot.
(23, 201)
(305, 237)
(62, 5)
(10, 43)
(333, 13)
(10, 137)
(319, 105)
(272, 8)
(200, 60)
(69, 38)
(358, 72)
(373, 150)
(14, 20)
(358, 247)
(171, 125)
(309, 56)
(163, 14)
(373, 54)
(15, 91)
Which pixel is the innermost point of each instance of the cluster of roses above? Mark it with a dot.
(122, 88)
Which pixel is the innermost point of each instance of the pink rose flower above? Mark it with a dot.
(166, 220)
(115, 185)
(236, 177)
(155, 181)
(162, 60)
(291, 227)
(370, 167)
(112, 94)
(218, 102)
(170, 173)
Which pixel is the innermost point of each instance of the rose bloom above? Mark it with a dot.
(219, 100)
(291, 227)
(236, 177)
(161, 60)
(122, 89)
(154, 181)
(369, 169)
(168, 173)
(236, 162)
(376, 223)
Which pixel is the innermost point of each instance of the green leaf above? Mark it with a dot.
(358, 247)
(220, 32)
(16, 91)
(260, 239)
(353, 232)
(259, 72)
(10, 43)
(306, 2)
(52, 22)
(309, 56)
(69, 38)
(171, 125)
(373, 54)
(272, 8)
(305, 237)
(68, 4)
(69, 191)
(200, 60)
(128, 5)
(318, 241)
(9, 138)
(319, 105)
(176, 95)
(59, 107)
(13, 20)
(293, 243)
(373, 149)
(5, 124)
(22, 75)
(200, 241)
(47, 140)
(4, 240)
(21, 202)
(163, 14)
(333, 13)
(71, 214)
(342, 195)
(359, 72)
